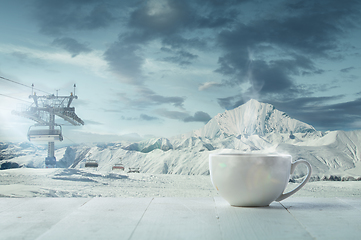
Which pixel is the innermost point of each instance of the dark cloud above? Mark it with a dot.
(226, 103)
(71, 45)
(128, 118)
(161, 17)
(269, 51)
(177, 115)
(177, 41)
(169, 17)
(311, 89)
(20, 56)
(56, 17)
(346, 70)
(198, 117)
(266, 75)
(303, 103)
(170, 22)
(308, 73)
(158, 99)
(125, 61)
(142, 117)
(322, 112)
(157, 18)
(273, 76)
(27, 57)
(148, 97)
(346, 109)
(269, 77)
(220, 4)
(301, 30)
(147, 117)
(231, 102)
(180, 57)
(305, 26)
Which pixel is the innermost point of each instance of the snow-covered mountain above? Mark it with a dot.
(252, 127)
(252, 118)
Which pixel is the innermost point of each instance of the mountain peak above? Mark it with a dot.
(252, 118)
(253, 102)
(253, 106)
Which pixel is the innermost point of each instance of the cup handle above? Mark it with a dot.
(293, 166)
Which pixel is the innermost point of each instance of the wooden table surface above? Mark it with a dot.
(178, 218)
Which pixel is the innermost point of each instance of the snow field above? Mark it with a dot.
(25, 182)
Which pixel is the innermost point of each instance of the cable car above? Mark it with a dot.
(91, 163)
(37, 133)
(118, 166)
(133, 170)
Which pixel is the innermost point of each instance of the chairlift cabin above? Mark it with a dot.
(133, 170)
(91, 164)
(118, 166)
(39, 133)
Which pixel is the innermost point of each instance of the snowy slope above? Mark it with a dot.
(252, 127)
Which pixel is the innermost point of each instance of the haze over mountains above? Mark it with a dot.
(252, 127)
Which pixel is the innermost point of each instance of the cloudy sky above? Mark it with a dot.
(164, 67)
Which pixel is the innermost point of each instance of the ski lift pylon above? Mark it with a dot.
(50, 162)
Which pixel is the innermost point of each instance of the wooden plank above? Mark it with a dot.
(354, 202)
(273, 222)
(326, 218)
(101, 218)
(179, 218)
(34, 216)
(8, 203)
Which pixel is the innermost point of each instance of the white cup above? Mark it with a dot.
(253, 180)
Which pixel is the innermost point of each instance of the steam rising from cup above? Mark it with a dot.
(254, 86)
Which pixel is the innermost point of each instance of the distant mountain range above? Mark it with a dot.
(252, 127)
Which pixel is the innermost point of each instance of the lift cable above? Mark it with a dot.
(70, 140)
(24, 85)
(14, 98)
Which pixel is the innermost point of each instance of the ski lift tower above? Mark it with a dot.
(43, 111)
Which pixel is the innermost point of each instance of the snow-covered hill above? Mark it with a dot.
(252, 127)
